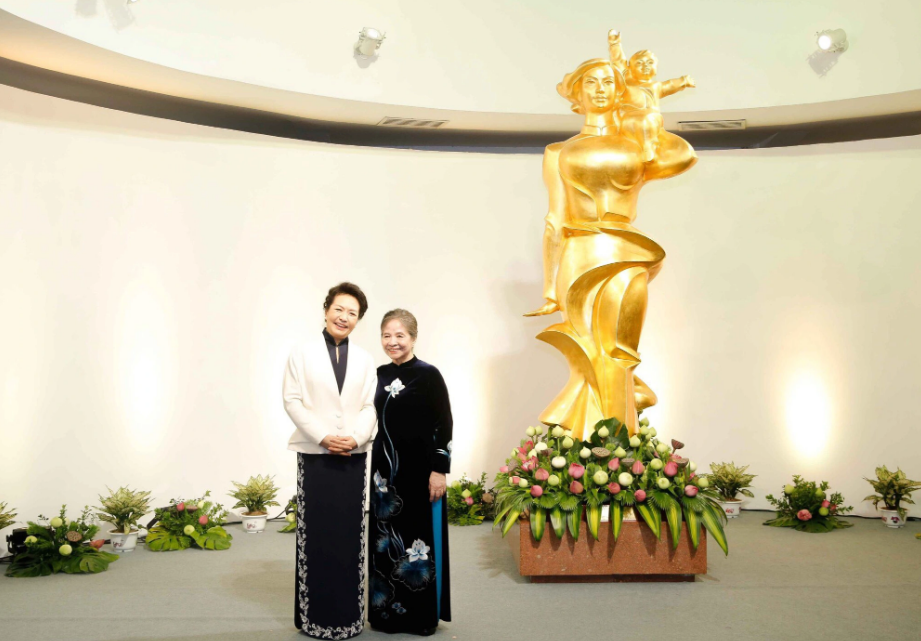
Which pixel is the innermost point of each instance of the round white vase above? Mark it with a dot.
(254, 524)
(892, 518)
(731, 508)
(122, 543)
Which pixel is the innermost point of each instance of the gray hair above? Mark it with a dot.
(405, 317)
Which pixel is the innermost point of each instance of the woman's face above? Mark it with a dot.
(397, 342)
(342, 316)
(599, 89)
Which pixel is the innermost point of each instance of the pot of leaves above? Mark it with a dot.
(187, 523)
(63, 545)
(465, 501)
(806, 506)
(7, 517)
(255, 495)
(123, 508)
(892, 490)
(730, 480)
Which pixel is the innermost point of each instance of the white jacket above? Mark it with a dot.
(316, 407)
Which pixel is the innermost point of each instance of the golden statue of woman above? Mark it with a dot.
(597, 265)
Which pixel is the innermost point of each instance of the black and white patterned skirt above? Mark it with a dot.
(331, 539)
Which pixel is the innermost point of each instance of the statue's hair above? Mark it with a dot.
(571, 85)
(405, 317)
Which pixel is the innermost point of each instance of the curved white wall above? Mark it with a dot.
(507, 55)
(154, 275)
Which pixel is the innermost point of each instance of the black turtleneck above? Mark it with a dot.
(338, 356)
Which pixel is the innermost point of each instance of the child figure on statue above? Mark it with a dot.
(640, 117)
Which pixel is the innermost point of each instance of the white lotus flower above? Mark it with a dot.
(380, 482)
(419, 551)
(395, 387)
(540, 447)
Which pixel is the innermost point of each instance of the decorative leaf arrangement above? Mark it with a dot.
(64, 545)
(290, 516)
(187, 523)
(255, 495)
(806, 506)
(892, 489)
(730, 480)
(558, 477)
(468, 501)
(7, 517)
(123, 508)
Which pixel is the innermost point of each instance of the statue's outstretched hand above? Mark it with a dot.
(689, 81)
(548, 308)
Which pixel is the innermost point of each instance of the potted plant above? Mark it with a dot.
(64, 545)
(123, 508)
(892, 490)
(465, 501)
(255, 495)
(807, 507)
(729, 480)
(7, 518)
(189, 522)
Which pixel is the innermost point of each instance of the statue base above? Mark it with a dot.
(637, 556)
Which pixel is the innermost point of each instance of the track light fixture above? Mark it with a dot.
(832, 40)
(369, 41)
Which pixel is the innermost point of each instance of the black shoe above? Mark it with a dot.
(428, 632)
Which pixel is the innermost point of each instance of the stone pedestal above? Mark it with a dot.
(636, 556)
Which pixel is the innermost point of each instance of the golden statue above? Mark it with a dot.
(597, 265)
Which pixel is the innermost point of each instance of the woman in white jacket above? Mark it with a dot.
(329, 394)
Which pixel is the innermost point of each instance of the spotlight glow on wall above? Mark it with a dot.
(832, 40)
(808, 413)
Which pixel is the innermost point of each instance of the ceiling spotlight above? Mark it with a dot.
(132, 1)
(369, 41)
(832, 40)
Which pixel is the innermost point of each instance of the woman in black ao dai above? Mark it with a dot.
(408, 533)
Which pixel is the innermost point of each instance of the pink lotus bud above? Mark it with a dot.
(640, 496)
(469, 499)
(504, 469)
(576, 471)
(675, 458)
(541, 474)
(833, 507)
(693, 475)
(180, 507)
(575, 487)
(671, 468)
(677, 445)
(614, 488)
(614, 464)
(536, 491)
(804, 515)
(203, 519)
(690, 490)
(826, 503)
(638, 468)
(514, 480)
(528, 446)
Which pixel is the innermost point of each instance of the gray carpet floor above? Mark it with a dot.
(860, 583)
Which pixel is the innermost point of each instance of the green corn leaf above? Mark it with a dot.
(538, 523)
(711, 521)
(693, 520)
(652, 517)
(558, 521)
(617, 519)
(510, 519)
(673, 515)
(574, 522)
(593, 518)
(501, 513)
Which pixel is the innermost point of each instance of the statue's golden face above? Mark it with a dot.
(599, 90)
(644, 68)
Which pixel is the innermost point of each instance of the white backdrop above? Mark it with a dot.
(153, 276)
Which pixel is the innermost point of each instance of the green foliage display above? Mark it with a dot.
(7, 517)
(892, 489)
(556, 476)
(256, 494)
(807, 507)
(61, 546)
(466, 505)
(290, 516)
(730, 480)
(188, 523)
(123, 508)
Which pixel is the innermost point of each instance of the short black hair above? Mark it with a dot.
(349, 289)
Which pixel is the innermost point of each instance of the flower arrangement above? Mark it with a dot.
(255, 495)
(892, 489)
(123, 508)
(64, 545)
(7, 518)
(186, 523)
(807, 507)
(290, 516)
(730, 480)
(554, 475)
(465, 501)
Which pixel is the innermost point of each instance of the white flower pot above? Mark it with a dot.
(122, 543)
(731, 508)
(891, 518)
(254, 524)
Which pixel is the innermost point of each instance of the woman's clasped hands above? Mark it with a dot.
(339, 445)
